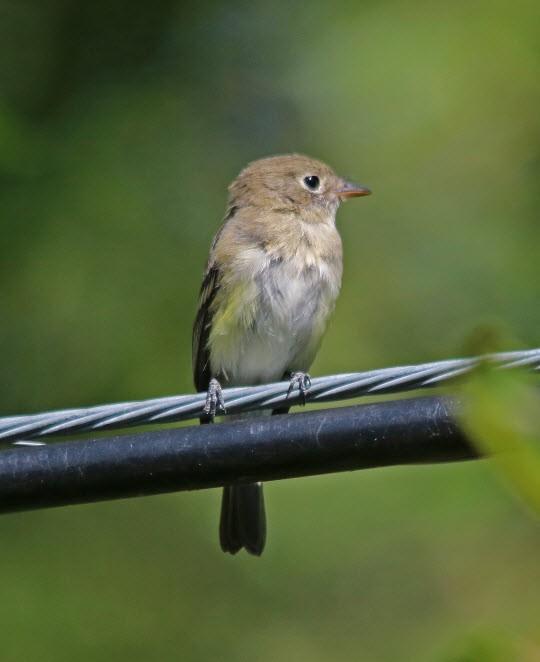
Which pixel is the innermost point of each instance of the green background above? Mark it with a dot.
(121, 125)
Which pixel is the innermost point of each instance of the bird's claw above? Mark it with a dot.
(304, 384)
(214, 399)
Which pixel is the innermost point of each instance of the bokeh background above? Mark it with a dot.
(121, 125)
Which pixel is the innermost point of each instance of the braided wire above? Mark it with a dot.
(267, 396)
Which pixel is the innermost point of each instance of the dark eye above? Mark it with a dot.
(312, 182)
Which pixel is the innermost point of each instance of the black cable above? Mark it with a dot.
(409, 431)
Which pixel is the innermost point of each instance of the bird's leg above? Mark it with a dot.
(214, 399)
(304, 384)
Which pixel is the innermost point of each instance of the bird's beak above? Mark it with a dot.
(349, 190)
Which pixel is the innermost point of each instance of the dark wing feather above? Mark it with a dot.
(201, 329)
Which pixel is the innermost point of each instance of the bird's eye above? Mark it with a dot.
(312, 182)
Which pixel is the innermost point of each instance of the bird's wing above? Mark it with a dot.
(201, 329)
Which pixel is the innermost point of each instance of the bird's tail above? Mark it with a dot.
(243, 520)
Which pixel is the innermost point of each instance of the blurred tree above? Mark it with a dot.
(121, 125)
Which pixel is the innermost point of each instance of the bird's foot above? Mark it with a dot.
(304, 384)
(214, 399)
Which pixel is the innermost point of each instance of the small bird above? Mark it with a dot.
(271, 281)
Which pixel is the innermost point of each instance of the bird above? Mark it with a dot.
(271, 280)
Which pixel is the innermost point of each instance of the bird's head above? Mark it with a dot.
(292, 183)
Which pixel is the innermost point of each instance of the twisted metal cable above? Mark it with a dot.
(267, 396)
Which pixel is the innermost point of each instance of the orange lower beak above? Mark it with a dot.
(350, 190)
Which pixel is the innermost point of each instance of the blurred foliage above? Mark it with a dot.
(486, 647)
(502, 417)
(121, 125)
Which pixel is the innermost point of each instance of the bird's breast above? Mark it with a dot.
(293, 297)
(277, 323)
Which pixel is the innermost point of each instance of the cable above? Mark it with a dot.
(407, 431)
(267, 396)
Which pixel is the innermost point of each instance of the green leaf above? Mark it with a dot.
(501, 416)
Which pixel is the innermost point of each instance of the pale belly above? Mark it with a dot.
(291, 313)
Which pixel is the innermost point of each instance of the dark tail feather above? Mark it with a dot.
(243, 521)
